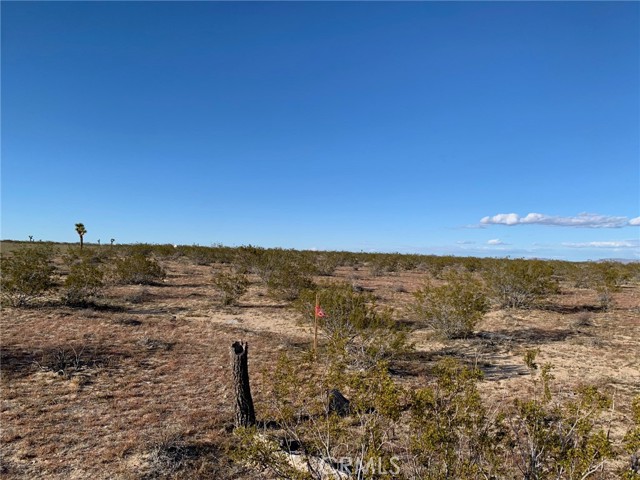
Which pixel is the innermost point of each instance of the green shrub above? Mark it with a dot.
(359, 334)
(383, 264)
(452, 310)
(27, 274)
(231, 285)
(439, 431)
(559, 440)
(250, 259)
(343, 308)
(299, 406)
(199, 255)
(606, 278)
(631, 443)
(138, 269)
(520, 283)
(452, 435)
(286, 274)
(326, 263)
(84, 280)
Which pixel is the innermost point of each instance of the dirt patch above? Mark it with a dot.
(91, 392)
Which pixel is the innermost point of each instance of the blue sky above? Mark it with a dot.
(389, 126)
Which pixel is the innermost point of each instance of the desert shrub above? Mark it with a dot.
(284, 272)
(90, 253)
(579, 275)
(357, 331)
(551, 439)
(520, 283)
(286, 275)
(326, 263)
(452, 434)
(146, 249)
(343, 307)
(408, 262)
(438, 265)
(250, 259)
(382, 264)
(199, 255)
(452, 310)
(231, 285)
(164, 251)
(84, 280)
(27, 274)
(631, 443)
(69, 361)
(287, 282)
(442, 430)
(138, 269)
(529, 359)
(606, 278)
(583, 319)
(324, 440)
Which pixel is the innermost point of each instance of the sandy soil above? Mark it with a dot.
(91, 393)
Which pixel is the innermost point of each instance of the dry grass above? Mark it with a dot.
(140, 387)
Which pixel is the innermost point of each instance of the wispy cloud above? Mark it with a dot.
(496, 241)
(584, 220)
(465, 242)
(610, 244)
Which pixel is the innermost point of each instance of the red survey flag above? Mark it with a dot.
(319, 311)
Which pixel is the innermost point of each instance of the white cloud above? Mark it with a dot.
(610, 244)
(502, 219)
(465, 242)
(496, 241)
(585, 220)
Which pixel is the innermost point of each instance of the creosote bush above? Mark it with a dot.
(85, 278)
(27, 274)
(326, 263)
(138, 269)
(452, 310)
(344, 308)
(631, 443)
(231, 285)
(286, 276)
(442, 430)
(356, 330)
(606, 278)
(288, 280)
(559, 440)
(299, 405)
(520, 283)
(452, 433)
(284, 272)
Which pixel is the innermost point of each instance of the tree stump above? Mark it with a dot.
(245, 415)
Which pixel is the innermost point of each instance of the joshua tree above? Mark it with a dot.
(81, 231)
(98, 241)
(112, 240)
(31, 238)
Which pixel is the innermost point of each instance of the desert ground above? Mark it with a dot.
(138, 385)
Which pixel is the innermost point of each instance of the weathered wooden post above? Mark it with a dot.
(245, 414)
